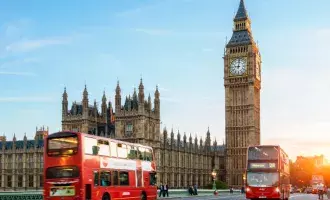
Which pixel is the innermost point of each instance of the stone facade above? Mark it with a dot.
(86, 118)
(138, 122)
(21, 163)
(242, 81)
(184, 162)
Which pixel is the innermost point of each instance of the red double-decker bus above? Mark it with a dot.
(80, 166)
(268, 173)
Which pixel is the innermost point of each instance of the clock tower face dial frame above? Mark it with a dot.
(238, 66)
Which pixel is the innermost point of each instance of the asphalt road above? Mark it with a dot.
(241, 197)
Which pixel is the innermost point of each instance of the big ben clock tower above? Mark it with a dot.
(242, 81)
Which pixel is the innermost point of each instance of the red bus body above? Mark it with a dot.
(268, 173)
(80, 166)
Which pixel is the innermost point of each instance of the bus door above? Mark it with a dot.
(94, 190)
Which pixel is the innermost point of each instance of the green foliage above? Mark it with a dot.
(219, 185)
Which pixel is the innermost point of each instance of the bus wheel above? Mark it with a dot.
(106, 196)
(143, 196)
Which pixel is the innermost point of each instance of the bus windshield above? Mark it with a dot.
(62, 172)
(263, 153)
(62, 146)
(261, 179)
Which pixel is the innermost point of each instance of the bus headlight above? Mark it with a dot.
(248, 189)
(277, 189)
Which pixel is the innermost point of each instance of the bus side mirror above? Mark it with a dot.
(96, 150)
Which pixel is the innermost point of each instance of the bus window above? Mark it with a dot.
(62, 172)
(96, 178)
(148, 155)
(105, 178)
(153, 178)
(89, 143)
(113, 147)
(104, 147)
(122, 151)
(115, 177)
(62, 146)
(141, 153)
(132, 152)
(123, 176)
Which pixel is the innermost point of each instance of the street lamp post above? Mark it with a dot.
(214, 174)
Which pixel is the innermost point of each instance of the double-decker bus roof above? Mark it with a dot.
(73, 133)
(269, 145)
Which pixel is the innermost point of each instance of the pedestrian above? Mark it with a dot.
(165, 190)
(195, 189)
(161, 190)
(190, 190)
(320, 189)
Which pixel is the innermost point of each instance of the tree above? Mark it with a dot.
(219, 184)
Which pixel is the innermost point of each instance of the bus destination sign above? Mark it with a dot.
(270, 165)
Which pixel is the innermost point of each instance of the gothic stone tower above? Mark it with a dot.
(242, 81)
(136, 121)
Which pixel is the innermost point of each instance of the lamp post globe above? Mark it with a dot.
(214, 174)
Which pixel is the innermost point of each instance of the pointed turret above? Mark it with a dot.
(157, 102)
(135, 100)
(241, 12)
(208, 139)
(25, 138)
(85, 101)
(95, 108)
(215, 144)
(118, 98)
(141, 92)
(165, 133)
(64, 103)
(104, 104)
(242, 34)
(184, 137)
(190, 139)
(149, 102)
(14, 138)
(85, 93)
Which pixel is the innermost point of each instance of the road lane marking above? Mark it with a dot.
(224, 197)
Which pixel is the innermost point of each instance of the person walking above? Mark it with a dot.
(165, 190)
(161, 190)
(320, 189)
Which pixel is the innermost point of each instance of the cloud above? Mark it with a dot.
(17, 73)
(18, 62)
(29, 45)
(36, 99)
(15, 28)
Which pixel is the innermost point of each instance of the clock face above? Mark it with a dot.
(258, 71)
(238, 66)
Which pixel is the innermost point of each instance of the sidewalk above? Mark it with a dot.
(184, 195)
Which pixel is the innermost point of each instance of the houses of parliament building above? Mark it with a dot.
(182, 159)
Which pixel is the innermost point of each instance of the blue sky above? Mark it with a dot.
(177, 44)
